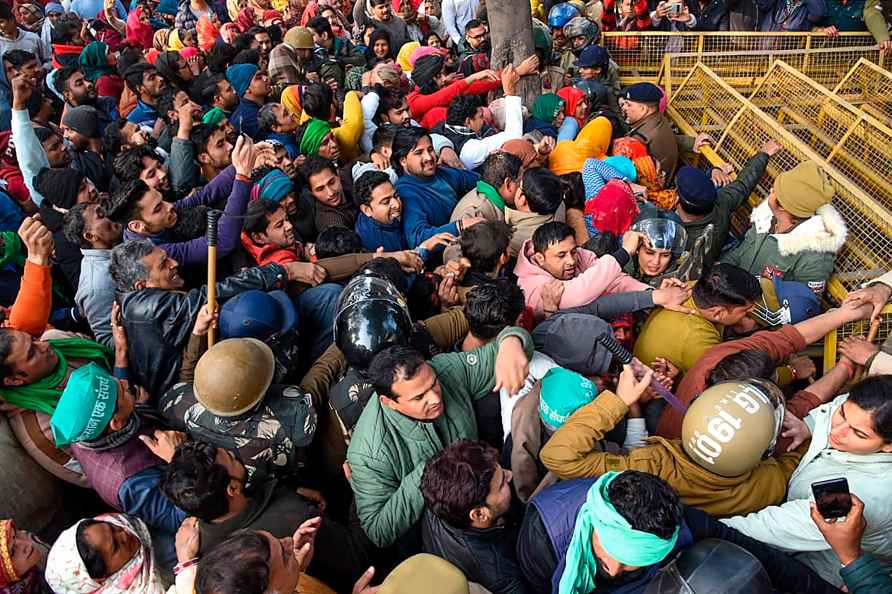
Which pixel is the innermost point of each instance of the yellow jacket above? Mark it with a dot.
(691, 336)
(350, 130)
(573, 452)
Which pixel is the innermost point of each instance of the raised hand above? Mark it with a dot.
(37, 239)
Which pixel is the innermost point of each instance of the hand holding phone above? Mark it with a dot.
(832, 498)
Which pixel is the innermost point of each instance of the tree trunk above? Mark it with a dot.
(511, 32)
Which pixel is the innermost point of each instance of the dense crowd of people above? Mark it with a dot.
(308, 296)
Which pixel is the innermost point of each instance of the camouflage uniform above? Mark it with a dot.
(269, 437)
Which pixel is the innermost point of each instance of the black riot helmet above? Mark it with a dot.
(371, 315)
(712, 566)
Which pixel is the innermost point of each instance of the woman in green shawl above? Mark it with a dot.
(547, 115)
(98, 65)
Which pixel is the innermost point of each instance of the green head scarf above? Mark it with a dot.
(314, 134)
(94, 61)
(547, 107)
(621, 541)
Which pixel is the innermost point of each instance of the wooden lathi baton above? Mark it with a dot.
(871, 336)
(213, 219)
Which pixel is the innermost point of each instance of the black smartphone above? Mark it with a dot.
(832, 498)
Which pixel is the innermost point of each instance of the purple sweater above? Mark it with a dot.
(195, 251)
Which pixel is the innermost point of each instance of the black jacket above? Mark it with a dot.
(486, 557)
(714, 16)
(159, 322)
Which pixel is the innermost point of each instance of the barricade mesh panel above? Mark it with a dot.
(853, 142)
(705, 103)
(868, 87)
(744, 70)
(640, 53)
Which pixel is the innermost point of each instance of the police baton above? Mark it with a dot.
(213, 219)
(625, 357)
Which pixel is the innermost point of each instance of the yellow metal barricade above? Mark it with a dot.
(853, 142)
(744, 70)
(640, 53)
(868, 87)
(861, 328)
(705, 103)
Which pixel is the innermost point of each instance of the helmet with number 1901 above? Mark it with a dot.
(733, 425)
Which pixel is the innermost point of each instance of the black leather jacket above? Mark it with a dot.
(158, 323)
(485, 556)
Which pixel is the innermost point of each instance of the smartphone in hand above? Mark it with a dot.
(832, 497)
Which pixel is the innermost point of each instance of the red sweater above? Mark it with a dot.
(420, 104)
(265, 254)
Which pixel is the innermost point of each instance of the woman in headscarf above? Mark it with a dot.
(610, 205)
(575, 104)
(228, 32)
(138, 28)
(175, 69)
(380, 48)
(207, 33)
(179, 39)
(22, 559)
(650, 174)
(547, 115)
(123, 545)
(159, 39)
(98, 66)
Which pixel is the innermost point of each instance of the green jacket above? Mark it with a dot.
(805, 254)
(388, 450)
(878, 17)
(729, 198)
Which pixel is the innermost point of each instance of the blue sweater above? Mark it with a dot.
(244, 118)
(374, 235)
(428, 203)
(143, 114)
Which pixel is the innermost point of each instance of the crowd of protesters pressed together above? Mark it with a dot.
(415, 374)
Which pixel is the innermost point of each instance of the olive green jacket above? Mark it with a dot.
(388, 450)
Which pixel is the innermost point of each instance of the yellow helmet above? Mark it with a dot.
(734, 425)
(299, 38)
(232, 377)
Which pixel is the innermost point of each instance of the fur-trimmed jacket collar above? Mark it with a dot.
(825, 231)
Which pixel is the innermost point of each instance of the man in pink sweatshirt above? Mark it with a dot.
(552, 255)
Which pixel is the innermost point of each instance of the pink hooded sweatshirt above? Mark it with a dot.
(595, 277)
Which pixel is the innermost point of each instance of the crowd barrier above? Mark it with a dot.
(868, 87)
(705, 103)
(852, 141)
(640, 54)
(861, 328)
(744, 70)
